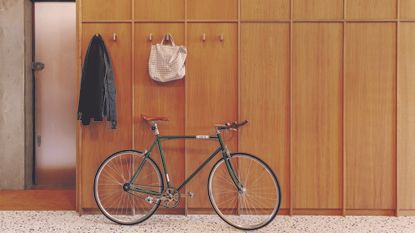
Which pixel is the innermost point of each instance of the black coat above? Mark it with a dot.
(97, 97)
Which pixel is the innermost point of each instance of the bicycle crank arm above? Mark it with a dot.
(186, 195)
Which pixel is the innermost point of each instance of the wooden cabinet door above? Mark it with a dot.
(106, 9)
(211, 98)
(212, 9)
(159, 99)
(406, 117)
(371, 9)
(318, 9)
(98, 139)
(265, 9)
(317, 115)
(370, 117)
(264, 97)
(407, 9)
(159, 10)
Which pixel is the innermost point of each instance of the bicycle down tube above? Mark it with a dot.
(222, 147)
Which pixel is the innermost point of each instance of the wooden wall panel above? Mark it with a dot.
(264, 97)
(407, 9)
(317, 115)
(212, 9)
(265, 9)
(371, 9)
(406, 116)
(317, 9)
(153, 10)
(106, 10)
(159, 99)
(211, 97)
(370, 117)
(98, 139)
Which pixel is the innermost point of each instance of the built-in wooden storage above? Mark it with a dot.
(406, 119)
(326, 85)
(370, 116)
(212, 9)
(153, 98)
(106, 10)
(211, 97)
(265, 9)
(168, 10)
(317, 115)
(317, 9)
(265, 96)
(371, 9)
(407, 9)
(98, 140)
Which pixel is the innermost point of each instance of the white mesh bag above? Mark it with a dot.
(167, 62)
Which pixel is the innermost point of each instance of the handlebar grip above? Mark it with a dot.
(232, 125)
(242, 123)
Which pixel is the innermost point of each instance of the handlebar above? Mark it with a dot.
(231, 125)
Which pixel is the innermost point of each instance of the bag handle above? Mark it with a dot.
(168, 37)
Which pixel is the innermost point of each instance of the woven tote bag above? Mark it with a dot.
(167, 62)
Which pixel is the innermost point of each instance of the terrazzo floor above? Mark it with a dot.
(69, 221)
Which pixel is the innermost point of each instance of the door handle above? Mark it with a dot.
(37, 66)
(39, 140)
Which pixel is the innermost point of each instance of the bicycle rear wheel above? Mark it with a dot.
(259, 201)
(122, 205)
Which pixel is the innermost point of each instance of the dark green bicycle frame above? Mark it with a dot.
(157, 141)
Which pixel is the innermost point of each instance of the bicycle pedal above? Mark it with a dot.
(149, 200)
(189, 194)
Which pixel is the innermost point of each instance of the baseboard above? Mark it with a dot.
(406, 212)
(316, 212)
(368, 212)
(175, 211)
(328, 212)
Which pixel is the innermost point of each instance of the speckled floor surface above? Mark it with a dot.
(70, 222)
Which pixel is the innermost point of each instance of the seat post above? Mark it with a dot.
(154, 128)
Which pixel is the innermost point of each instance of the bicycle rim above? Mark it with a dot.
(121, 206)
(259, 202)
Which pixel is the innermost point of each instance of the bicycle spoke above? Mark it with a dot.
(254, 206)
(117, 204)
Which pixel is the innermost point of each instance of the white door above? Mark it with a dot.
(55, 93)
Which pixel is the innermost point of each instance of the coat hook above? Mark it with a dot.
(204, 37)
(114, 37)
(221, 37)
(150, 37)
(168, 37)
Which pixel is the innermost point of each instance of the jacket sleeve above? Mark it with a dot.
(83, 97)
(109, 90)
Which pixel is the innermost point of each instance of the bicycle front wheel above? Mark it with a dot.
(253, 207)
(118, 203)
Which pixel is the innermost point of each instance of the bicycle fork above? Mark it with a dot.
(226, 156)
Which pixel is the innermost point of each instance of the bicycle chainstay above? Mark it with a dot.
(169, 199)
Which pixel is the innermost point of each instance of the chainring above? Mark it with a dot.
(170, 198)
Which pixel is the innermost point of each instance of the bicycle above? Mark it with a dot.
(129, 186)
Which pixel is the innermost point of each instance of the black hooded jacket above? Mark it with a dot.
(97, 96)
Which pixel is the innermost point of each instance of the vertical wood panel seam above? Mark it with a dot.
(186, 210)
(398, 5)
(290, 117)
(239, 86)
(133, 74)
(79, 127)
(344, 110)
(239, 72)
